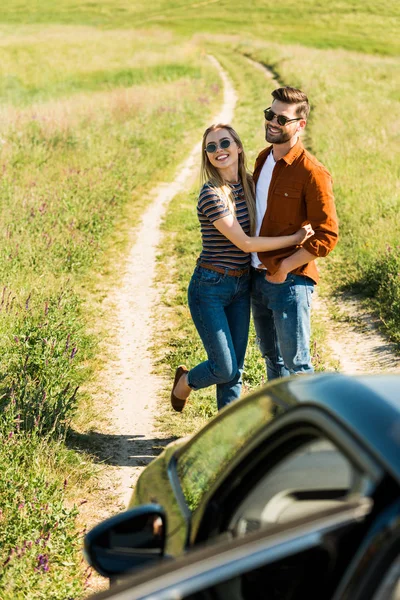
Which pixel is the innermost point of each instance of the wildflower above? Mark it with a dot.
(74, 351)
(43, 563)
(9, 557)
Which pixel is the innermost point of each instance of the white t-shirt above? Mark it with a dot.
(262, 188)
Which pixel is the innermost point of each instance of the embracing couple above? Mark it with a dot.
(261, 235)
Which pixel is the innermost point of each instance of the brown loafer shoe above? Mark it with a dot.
(178, 404)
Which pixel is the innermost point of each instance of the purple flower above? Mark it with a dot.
(43, 563)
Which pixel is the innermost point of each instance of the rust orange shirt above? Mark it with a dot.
(300, 191)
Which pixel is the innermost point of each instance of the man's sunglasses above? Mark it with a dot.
(282, 120)
(212, 146)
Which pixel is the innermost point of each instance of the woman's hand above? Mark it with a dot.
(303, 234)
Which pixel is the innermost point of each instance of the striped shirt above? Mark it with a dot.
(217, 249)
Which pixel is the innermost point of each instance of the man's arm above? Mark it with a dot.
(299, 258)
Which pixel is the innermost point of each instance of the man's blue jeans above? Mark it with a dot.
(220, 309)
(282, 314)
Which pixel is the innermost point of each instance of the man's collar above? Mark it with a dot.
(294, 152)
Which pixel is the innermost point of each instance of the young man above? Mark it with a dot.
(292, 188)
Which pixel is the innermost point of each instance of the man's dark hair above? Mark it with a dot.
(291, 95)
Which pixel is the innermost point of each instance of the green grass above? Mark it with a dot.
(100, 101)
(370, 26)
(40, 543)
(77, 171)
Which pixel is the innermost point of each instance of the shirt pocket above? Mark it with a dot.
(286, 205)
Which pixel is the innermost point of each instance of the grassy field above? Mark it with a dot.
(369, 26)
(82, 144)
(98, 102)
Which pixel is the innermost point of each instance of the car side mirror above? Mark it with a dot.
(131, 539)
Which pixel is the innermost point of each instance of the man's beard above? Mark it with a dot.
(280, 138)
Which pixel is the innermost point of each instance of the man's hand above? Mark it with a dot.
(278, 277)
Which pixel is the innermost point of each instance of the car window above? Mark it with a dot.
(201, 463)
(314, 477)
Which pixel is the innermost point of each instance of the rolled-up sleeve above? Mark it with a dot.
(321, 213)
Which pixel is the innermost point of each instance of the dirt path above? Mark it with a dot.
(354, 337)
(131, 440)
(134, 387)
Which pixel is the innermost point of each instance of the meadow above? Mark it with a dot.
(100, 101)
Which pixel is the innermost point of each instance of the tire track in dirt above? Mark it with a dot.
(354, 337)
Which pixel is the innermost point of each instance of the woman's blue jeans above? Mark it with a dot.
(220, 309)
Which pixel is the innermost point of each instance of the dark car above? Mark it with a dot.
(301, 477)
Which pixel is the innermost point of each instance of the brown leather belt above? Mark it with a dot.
(230, 272)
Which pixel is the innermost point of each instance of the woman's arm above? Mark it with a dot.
(231, 229)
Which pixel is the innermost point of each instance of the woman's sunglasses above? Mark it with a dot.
(212, 146)
(282, 120)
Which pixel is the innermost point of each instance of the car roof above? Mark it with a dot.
(367, 405)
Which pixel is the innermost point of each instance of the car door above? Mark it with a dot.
(285, 562)
(374, 572)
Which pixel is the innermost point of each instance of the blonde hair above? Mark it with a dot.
(210, 174)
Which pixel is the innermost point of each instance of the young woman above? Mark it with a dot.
(219, 290)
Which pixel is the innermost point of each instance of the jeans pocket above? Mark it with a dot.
(208, 277)
(289, 280)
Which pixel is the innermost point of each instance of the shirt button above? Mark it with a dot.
(286, 194)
